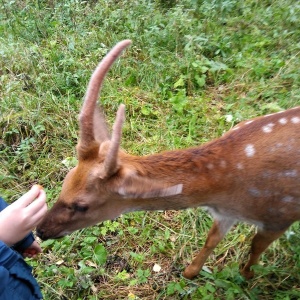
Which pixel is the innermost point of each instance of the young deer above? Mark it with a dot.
(249, 174)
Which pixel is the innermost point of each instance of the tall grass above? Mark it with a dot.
(194, 70)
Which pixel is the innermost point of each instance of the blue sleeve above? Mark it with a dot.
(8, 258)
(14, 268)
(27, 241)
(3, 204)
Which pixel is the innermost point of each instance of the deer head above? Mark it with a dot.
(95, 189)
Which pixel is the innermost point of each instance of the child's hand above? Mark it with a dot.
(19, 218)
(33, 250)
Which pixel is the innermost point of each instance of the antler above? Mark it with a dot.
(89, 110)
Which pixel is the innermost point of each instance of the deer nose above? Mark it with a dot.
(40, 233)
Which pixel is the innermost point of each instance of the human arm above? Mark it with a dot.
(16, 276)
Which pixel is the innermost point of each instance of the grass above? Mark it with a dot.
(194, 70)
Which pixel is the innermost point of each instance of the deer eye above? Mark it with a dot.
(80, 207)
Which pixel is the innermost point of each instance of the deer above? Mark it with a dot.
(250, 174)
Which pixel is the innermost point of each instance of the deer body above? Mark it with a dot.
(249, 174)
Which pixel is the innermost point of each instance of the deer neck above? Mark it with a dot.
(202, 172)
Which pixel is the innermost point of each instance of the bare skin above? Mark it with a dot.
(18, 219)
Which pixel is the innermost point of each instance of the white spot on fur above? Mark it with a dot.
(295, 120)
(277, 146)
(259, 193)
(288, 198)
(268, 128)
(210, 166)
(283, 121)
(254, 192)
(249, 122)
(266, 174)
(290, 173)
(223, 164)
(240, 166)
(249, 150)
(122, 192)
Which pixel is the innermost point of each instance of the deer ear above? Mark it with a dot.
(101, 132)
(103, 171)
(138, 187)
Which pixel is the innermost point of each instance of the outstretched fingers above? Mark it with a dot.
(33, 204)
(28, 197)
(38, 208)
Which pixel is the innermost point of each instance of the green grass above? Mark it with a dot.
(194, 70)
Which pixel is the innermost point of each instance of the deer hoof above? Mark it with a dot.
(247, 273)
(190, 272)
